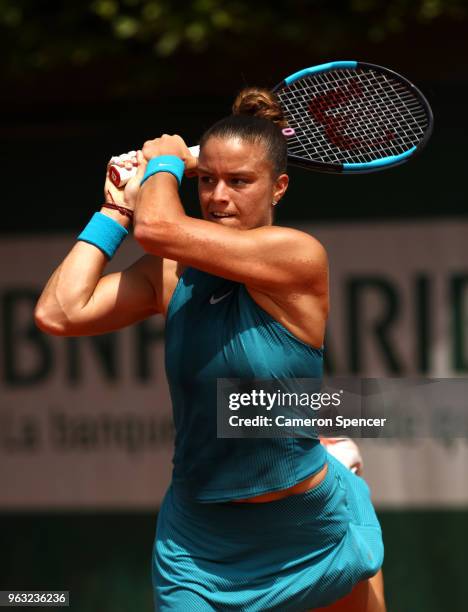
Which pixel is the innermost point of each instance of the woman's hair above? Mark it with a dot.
(257, 117)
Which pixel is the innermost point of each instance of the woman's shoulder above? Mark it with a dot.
(291, 239)
(302, 237)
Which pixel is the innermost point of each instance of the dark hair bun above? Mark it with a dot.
(259, 102)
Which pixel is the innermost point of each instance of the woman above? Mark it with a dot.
(248, 525)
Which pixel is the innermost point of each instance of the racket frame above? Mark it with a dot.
(362, 167)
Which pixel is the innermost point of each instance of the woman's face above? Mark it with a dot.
(236, 185)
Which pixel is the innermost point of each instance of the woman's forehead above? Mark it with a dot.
(233, 155)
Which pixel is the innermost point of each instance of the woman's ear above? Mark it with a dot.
(281, 184)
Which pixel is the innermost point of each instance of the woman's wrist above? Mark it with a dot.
(120, 216)
(170, 164)
(104, 232)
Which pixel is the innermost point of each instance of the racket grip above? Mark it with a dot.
(120, 176)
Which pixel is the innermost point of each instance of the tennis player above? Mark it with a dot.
(247, 524)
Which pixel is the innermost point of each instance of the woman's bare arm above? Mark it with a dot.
(271, 259)
(79, 301)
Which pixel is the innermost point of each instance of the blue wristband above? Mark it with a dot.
(105, 233)
(165, 163)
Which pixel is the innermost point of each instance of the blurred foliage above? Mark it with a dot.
(38, 35)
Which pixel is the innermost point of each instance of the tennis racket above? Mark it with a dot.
(349, 117)
(352, 117)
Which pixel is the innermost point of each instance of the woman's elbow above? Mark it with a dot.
(49, 324)
(140, 233)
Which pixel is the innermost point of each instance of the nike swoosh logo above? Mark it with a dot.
(214, 300)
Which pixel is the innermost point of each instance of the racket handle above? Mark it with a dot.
(120, 176)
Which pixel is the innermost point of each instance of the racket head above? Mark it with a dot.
(353, 117)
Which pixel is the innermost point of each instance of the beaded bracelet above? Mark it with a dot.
(127, 212)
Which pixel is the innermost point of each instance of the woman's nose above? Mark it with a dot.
(220, 193)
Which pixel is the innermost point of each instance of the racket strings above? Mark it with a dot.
(341, 136)
(352, 116)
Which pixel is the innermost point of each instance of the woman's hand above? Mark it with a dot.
(171, 145)
(127, 195)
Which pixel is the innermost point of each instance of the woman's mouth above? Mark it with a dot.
(220, 215)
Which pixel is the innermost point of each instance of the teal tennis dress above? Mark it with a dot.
(290, 555)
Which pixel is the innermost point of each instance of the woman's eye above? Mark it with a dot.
(206, 179)
(238, 181)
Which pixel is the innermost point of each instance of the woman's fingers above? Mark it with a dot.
(191, 166)
(133, 185)
(126, 160)
(141, 164)
(165, 145)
